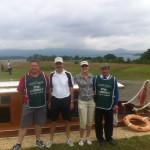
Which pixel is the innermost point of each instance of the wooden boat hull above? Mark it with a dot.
(11, 108)
(12, 128)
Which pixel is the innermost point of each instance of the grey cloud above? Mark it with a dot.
(69, 23)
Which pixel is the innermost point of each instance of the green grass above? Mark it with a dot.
(120, 71)
(134, 143)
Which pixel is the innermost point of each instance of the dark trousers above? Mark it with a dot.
(9, 70)
(107, 115)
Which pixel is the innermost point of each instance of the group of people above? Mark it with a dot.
(98, 96)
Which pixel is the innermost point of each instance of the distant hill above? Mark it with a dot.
(68, 52)
(120, 51)
(12, 57)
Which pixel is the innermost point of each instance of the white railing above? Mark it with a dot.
(146, 83)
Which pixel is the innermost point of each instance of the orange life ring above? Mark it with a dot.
(136, 127)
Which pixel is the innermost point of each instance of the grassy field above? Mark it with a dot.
(120, 71)
(134, 143)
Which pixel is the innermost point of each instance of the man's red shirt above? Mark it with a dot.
(22, 88)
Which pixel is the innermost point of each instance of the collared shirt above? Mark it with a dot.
(60, 86)
(22, 87)
(102, 77)
(85, 86)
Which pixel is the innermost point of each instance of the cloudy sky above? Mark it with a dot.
(76, 24)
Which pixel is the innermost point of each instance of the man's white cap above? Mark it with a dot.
(84, 63)
(58, 59)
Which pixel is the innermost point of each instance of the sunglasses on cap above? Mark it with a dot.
(84, 66)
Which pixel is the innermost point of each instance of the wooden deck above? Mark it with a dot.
(12, 128)
(11, 108)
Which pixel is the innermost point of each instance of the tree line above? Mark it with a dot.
(11, 57)
(111, 58)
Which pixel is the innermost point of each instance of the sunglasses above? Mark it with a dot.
(84, 66)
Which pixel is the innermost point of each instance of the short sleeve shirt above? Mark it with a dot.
(85, 86)
(22, 88)
(60, 84)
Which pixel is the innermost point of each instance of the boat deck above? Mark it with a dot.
(11, 107)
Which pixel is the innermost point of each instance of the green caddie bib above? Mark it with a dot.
(36, 91)
(104, 93)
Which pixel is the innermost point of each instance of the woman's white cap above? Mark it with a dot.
(84, 63)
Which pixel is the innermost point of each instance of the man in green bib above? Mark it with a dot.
(106, 100)
(34, 87)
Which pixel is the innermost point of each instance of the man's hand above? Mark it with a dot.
(49, 105)
(71, 106)
(115, 108)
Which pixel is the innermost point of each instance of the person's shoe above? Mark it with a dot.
(112, 142)
(16, 147)
(88, 141)
(81, 142)
(49, 144)
(101, 142)
(40, 143)
(69, 142)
